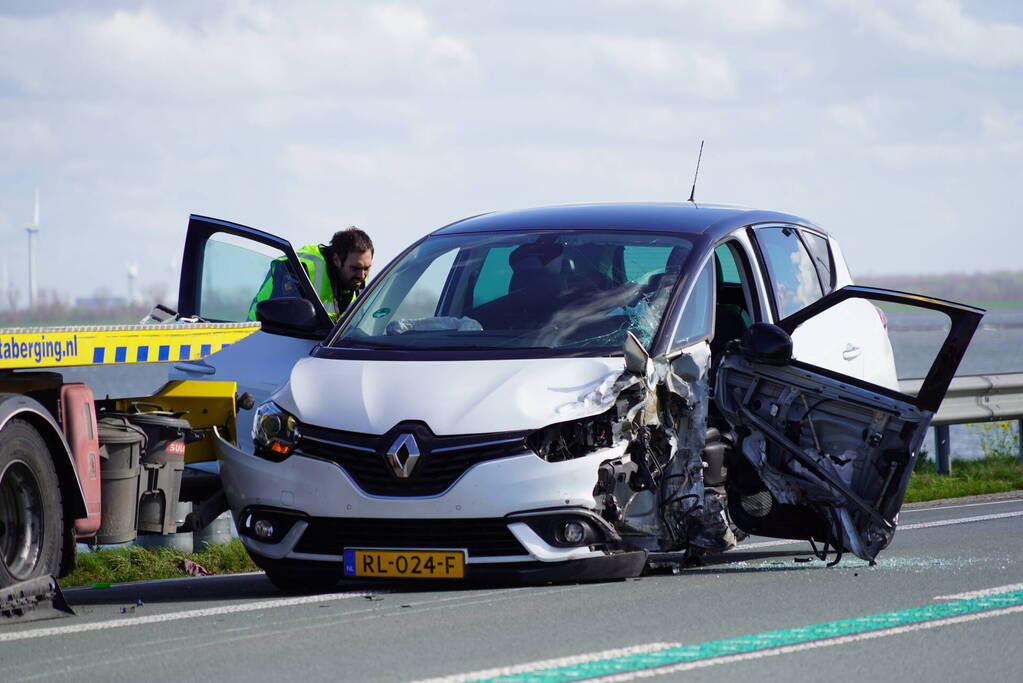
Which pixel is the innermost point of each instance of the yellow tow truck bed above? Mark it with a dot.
(207, 403)
(55, 347)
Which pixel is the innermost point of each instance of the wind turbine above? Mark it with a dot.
(133, 272)
(32, 229)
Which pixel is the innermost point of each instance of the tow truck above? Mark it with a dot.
(58, 486)
(52, 461)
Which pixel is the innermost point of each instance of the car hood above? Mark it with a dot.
(451, 397)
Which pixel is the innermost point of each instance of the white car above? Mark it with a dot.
(565, 393)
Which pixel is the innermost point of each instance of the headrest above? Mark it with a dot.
(534, 255)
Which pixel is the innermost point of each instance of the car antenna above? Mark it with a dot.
(697, 174)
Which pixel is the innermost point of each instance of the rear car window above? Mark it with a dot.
(818, 246)
(794, 280)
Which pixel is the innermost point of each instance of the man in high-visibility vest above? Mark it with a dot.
(338, 272)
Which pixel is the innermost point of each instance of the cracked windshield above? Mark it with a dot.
(569, 290)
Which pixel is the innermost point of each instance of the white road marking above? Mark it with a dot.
(176, 616)
(715, 661)
(961, 520)
(550, 663)
(901, 527)
(802, 647)
(982, 593)
(962, 505)
(766, 544)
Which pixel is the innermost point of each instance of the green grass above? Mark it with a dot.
(993, 474)
(999, 470)
(134, 563)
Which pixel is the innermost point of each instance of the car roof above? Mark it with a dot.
(713, 220)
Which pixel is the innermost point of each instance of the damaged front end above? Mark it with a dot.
(786, 449)
(662, 492)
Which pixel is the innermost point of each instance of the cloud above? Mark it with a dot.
(302, 117)
(760, 16)
(860, 118)
(249, 49)
(704, 70)
(941, 29)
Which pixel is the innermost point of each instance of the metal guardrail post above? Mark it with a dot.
(942, 450)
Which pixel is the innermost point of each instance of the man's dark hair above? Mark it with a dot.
(350, 240)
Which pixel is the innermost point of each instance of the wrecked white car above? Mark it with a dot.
(571, 393)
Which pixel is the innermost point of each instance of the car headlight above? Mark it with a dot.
(274, 432)
(573, 439)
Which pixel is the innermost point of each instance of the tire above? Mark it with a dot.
(32, 526)
(301, 584)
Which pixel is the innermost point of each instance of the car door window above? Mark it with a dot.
(732, 310)
(696, 320)
(234, 269)
(227, 268)
(794, 280)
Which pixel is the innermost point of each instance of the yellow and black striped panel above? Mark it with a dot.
(51, 347)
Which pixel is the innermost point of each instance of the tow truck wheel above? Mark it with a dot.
(31, 515)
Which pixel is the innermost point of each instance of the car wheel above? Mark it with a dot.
(301, 584)
(31, 514)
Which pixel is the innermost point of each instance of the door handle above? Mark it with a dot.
(197, 367)
(851, 352)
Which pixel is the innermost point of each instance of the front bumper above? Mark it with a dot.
(476, 514)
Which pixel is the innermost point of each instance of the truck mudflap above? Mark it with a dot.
(33, 600)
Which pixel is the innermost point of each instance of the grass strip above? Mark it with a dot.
(134, 563)
(993, 474)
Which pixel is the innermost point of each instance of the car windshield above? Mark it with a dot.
(533, 290)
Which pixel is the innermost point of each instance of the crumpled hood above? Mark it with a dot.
(452, 397)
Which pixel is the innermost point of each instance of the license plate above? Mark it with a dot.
(405, 564)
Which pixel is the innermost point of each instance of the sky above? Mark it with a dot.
(895, 125)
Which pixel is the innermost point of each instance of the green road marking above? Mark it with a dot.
(768, 640)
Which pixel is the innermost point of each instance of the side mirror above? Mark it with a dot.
(289, 315)
(766, 343)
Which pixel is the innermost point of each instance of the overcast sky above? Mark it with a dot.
(897, 126)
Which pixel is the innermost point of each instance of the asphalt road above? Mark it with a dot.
(944, 602)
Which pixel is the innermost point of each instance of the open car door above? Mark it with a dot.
(819, 455)
(223, 269)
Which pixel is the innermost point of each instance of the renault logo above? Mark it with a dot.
(402, 455)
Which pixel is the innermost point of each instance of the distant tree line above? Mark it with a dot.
(51, 309)
(1003, 286)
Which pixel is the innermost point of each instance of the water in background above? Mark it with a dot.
(997, 348)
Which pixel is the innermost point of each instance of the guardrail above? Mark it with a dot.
(970, 399)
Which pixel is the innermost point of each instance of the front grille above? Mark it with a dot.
(442, 459)
(481, 537)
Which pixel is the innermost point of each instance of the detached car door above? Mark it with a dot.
(820, 455)
(223, 268)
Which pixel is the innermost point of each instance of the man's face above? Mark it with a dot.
(355, 269)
